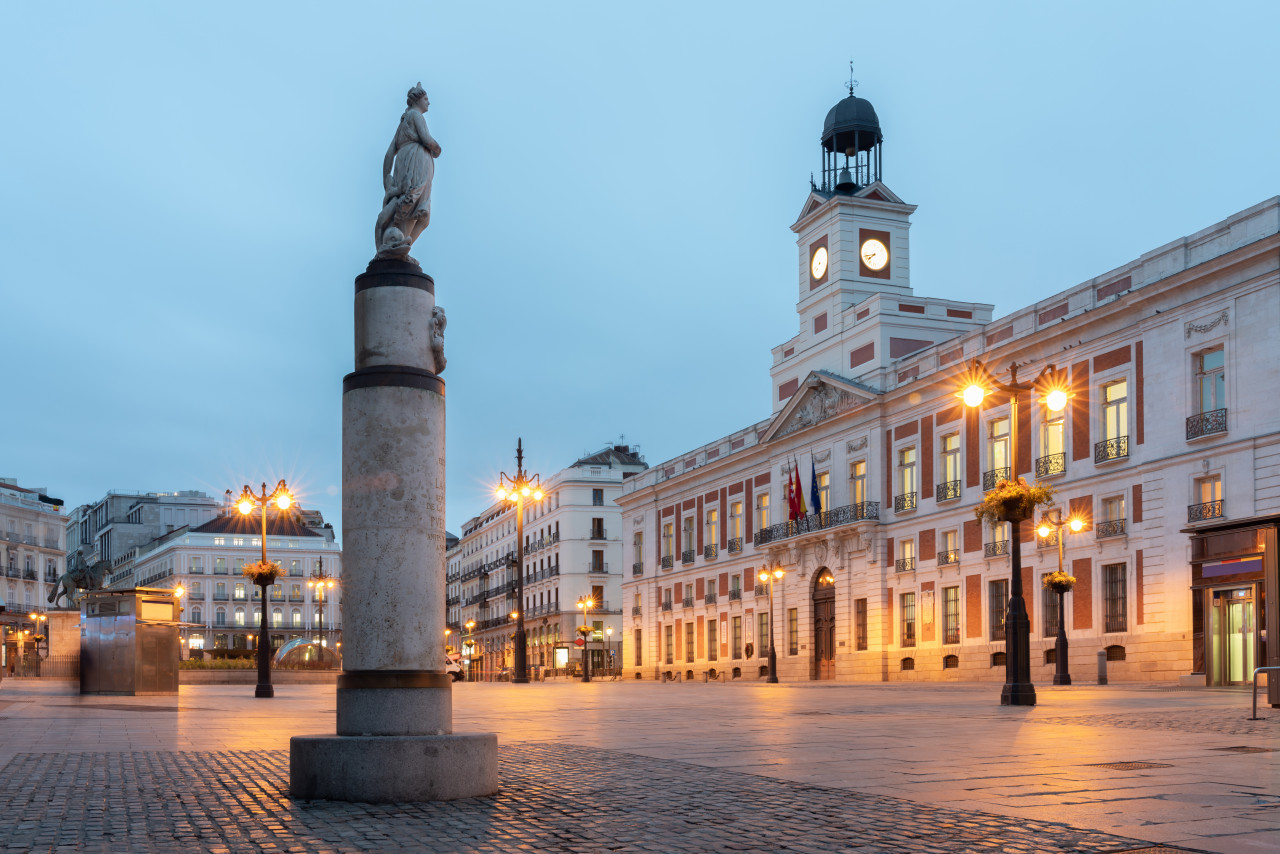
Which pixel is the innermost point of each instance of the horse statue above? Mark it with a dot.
(79, 578)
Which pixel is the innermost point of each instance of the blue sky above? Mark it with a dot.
(188, 191)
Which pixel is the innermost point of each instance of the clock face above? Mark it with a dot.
(874, 254)
(818, 266)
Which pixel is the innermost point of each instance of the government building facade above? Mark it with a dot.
(1167, 450)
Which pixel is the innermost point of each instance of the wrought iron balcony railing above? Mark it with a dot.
(1207, 510)
(948, 491)
(847, 515)
(709, 599)
(906, 501)
(637, 568)
(1207, 424)
(1000, 547)
(668, 561)
(989, 478)
(593, 566)
(1051, 464)
(1049, 542)
(905, 564)
(950, 557)
(1111, 449)
(686, 557)
(688, 601)
(1111, 528)
(666, 606)
(735, 546)
(597, 534)
(635, 610)
(709, 551)
(735, 595)
(762, 590)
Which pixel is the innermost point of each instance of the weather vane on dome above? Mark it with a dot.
(853, 84)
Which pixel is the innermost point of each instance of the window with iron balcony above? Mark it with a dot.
(1210, 396)
(1208, 491)
(1115, 423)
(1053, 457)
(949, 465)
(997, 453)
(1113, 521)
(906, 497)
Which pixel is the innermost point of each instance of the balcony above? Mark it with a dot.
(950, 557)
(735, 546)
(52, 542)
(709, 599)
(709, 551)
(996, 549)
(905, 564)
(667, 561)
(1111, 449)
(686, 556)
(196, 570)
(29, 574)
(635, 610)
(1051, 464)
(666, 606)
(847, 515)
(637, 569)
(1208, 510)
(762, 590)
(1207, 424)
(220, 597)
(688, 601)
(990, 478)
(735, 595)
(597, 534)
(948, 491)
(1111, 528)
(906, 501)
(593, 566)
(1049, 542)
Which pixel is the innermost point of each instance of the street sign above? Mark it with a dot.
(579, 641)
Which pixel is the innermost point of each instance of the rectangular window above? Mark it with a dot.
(637, 550)
(240, 591)
(597, 498)
(1113, 509)
(689, 543)
(735, 526)
(670, 645)
(713, 643)
(668, 540)
(762, 511)
(737, 638)
(196, 565)
(1211, 381)
(907, 471)
(950, 459)
(951, 615)
(906, 555)
(1209, 489)
(824, 489)
(1052, 433)
(908, 619)
(998, 447)
(997, 604)
(1115, 410)
(688, 642)
(639, 649)
(860, 624)
(1049, 609)
(763, 636)
(712, 526)
(1116, 597)
(197, 590)
(793, 631)
(219, 565)
(858, 482)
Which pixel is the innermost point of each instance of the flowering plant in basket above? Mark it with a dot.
(1059, 581)
(262, 573)
(1013, 501)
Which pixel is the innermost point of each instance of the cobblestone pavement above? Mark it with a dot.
(1223, 722)
(554, 798)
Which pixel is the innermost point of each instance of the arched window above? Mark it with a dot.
(295, 617)
(196, 615)
(239, 616)
(220, 618)
(277, 617)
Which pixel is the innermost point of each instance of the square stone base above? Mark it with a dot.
(393, 769)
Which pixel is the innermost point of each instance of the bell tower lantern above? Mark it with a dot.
(851, 146)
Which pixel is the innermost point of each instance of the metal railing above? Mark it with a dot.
(948, 491)
(990, 478)
(1111, 449)
(635, 610)
(686, 556)
(637, 568)
(1207, 424)
(950, 557)
(597, 567)
(1051, 464)
(1207, 510)
(906, 501)
(668, 561)
(761, 590)
(709, 551)
(735, 546)
(1111, 528)
(1000, 547)
(688, 601)
(1256, 671)
(847, 515)
(666, 606)
(1049, 542)
(735, 595)
(905, 564)
(597, 534)
(709, 599)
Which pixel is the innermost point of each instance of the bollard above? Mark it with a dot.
(1102, 667)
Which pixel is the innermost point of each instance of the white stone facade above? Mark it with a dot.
(1170, 429)
(574, 549)
(31, 546)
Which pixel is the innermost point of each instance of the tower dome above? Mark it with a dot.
(852, 132)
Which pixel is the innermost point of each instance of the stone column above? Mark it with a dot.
(395, 739)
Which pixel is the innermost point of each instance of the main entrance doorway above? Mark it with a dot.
(1232, 636)
(824, 625)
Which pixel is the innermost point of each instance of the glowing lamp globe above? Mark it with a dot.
(284, 500)
(1056, 400)
(973, 395)
(1044, 531)
(1077, 525)
(245, 506)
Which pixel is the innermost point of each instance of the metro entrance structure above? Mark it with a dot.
(1162, 449)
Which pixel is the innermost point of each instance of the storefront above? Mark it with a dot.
(1234, 585)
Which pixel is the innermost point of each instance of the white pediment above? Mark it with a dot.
(823, 396)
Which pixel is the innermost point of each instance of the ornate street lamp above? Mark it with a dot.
(264, 573)
(516, 490)
(1017, 690)
(586, 603)
(321, 586)
(769, 578)
(608, 643)
(1049, 522)
(470, 648)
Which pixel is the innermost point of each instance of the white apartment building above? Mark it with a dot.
(573, 550)
(1168, 449)
(111, 527)
(31, 552)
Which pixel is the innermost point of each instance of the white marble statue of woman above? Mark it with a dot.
(407, 170)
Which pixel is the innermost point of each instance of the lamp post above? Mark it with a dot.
(1049, 522)
(516, 490)
(769, 577)
(471, 648)
(319, 582)
(586, 604)
(1017, 690)
(264, 577)
(608, 630)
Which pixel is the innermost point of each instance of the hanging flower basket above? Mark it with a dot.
(262, 574)
(1013, 501)
(1059, 582)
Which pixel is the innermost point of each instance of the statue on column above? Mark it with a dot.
(407, 170)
